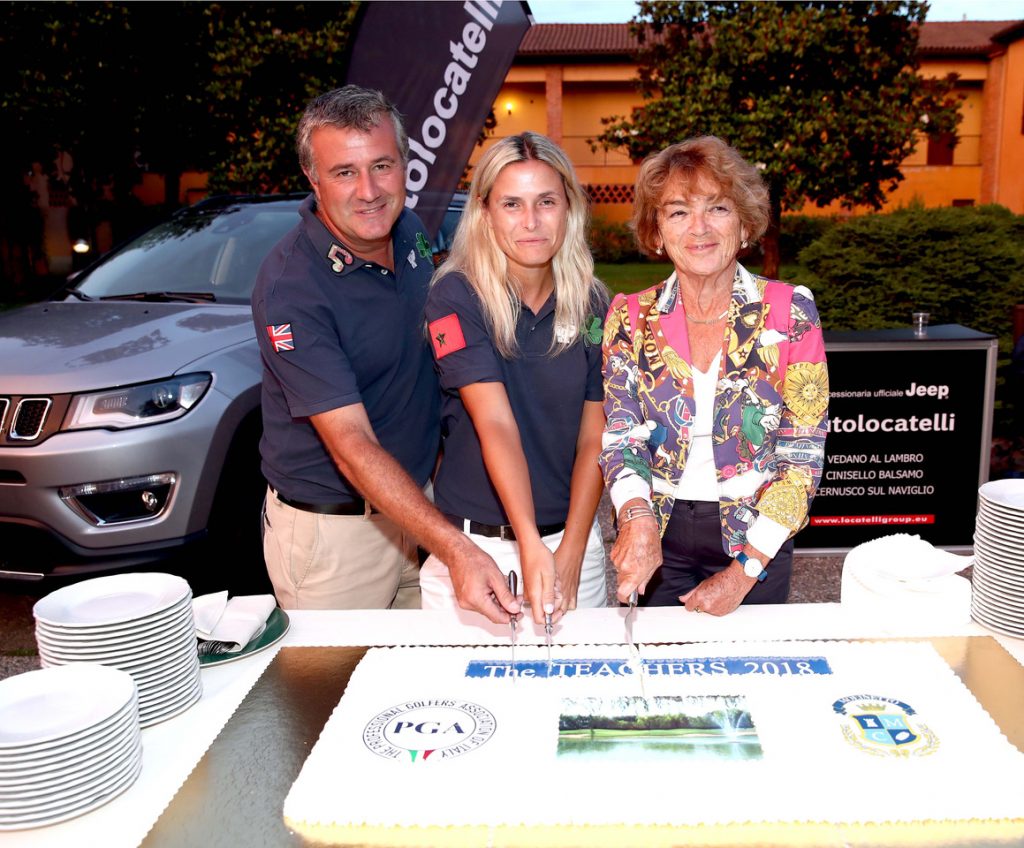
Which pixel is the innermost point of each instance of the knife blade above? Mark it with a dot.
(513, 587)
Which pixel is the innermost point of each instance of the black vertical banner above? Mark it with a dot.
(442, 64)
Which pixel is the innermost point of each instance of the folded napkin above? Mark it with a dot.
(907, 578)
(226, 626)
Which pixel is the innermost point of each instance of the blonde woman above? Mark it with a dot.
(515, 318)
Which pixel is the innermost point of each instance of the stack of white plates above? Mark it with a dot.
(139, 623)
(69, 742)
(998, 582)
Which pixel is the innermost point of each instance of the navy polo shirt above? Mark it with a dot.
(335, 330)
(546, 394)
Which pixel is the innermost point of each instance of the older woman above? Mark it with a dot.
(515, 316)
(716, 394)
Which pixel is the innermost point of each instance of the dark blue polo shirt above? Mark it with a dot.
(335, 330)
(546, 393)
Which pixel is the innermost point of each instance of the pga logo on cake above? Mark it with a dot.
(438, 729)
(884, 727)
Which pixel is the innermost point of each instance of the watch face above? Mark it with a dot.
(751, 567)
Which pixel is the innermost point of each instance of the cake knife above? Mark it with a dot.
(629, 620)
(547, 634)
(633, 652)
(513, 587)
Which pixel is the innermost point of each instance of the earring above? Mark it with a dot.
(744, 244)
(658, 251)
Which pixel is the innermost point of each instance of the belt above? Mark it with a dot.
(499, 531)
(354, 507)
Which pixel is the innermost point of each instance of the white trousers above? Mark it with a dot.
(436, 591)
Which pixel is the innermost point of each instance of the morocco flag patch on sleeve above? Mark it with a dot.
(446, 335)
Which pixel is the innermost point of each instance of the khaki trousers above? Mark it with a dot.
(338, 561)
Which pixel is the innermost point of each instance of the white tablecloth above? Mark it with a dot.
(172, 749)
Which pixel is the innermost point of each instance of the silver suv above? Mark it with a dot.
(129, 406)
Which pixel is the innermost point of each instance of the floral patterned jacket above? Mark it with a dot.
(770, 415)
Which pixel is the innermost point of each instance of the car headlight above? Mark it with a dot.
(134, 406)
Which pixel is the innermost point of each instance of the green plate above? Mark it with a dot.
(277, 626)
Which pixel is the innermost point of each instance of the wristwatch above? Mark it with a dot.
(752, 567)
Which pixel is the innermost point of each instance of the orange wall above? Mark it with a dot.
(989, 151)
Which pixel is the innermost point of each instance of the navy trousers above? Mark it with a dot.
(692, 551)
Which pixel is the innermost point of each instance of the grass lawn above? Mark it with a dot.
(628, 277)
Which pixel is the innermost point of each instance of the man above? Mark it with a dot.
(350, 398)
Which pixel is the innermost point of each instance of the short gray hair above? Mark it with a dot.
(348, 107)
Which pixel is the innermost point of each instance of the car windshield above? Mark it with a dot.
(200, 254)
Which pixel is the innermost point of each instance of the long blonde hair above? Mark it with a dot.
(475, 252)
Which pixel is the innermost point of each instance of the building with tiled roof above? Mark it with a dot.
(567, 77)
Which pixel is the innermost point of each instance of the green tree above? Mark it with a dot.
(267, 61)
(118, 86)
(824, 97)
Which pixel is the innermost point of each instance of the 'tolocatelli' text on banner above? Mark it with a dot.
(442, 65)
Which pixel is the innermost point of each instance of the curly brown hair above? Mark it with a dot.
(705, 157)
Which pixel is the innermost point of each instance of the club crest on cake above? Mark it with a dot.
(884, 727)
(418, 730)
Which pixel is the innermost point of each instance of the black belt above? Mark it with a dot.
(355, 507)
(501, 531)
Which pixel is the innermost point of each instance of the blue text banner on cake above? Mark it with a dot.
(692, 667)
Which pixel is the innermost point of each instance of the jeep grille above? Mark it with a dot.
(29, 419)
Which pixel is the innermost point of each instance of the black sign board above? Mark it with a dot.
(442, 65)
(909, 434)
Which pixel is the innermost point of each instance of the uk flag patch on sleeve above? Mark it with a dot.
(281, 337)
(446, 335)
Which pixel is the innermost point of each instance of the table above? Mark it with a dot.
(218, 773)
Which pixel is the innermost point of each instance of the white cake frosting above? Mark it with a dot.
(706, 733)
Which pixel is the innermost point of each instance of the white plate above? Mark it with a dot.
(1012, 534)
(157, 716)
(985, 616)
(167, 691)
(128, 653)
(116, 629)
(108, 775)
(1007, 493)
(994, 562)
(1015, 632)
(110, 600)
(72, 809)
(172, 688)
(998, 609)
(62, 784)
(994, 598)
(99, 640)
(985, 545)
(60, 768)
(997, 581)
(52, 703)
(11, 759)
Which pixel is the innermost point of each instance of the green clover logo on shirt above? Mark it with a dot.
(592, 330)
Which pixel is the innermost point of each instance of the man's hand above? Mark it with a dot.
(636, 553)
(480, 586)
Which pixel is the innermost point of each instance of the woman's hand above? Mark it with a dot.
(568, 565)
(540, 580)
(636, 553)
(720, 593)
